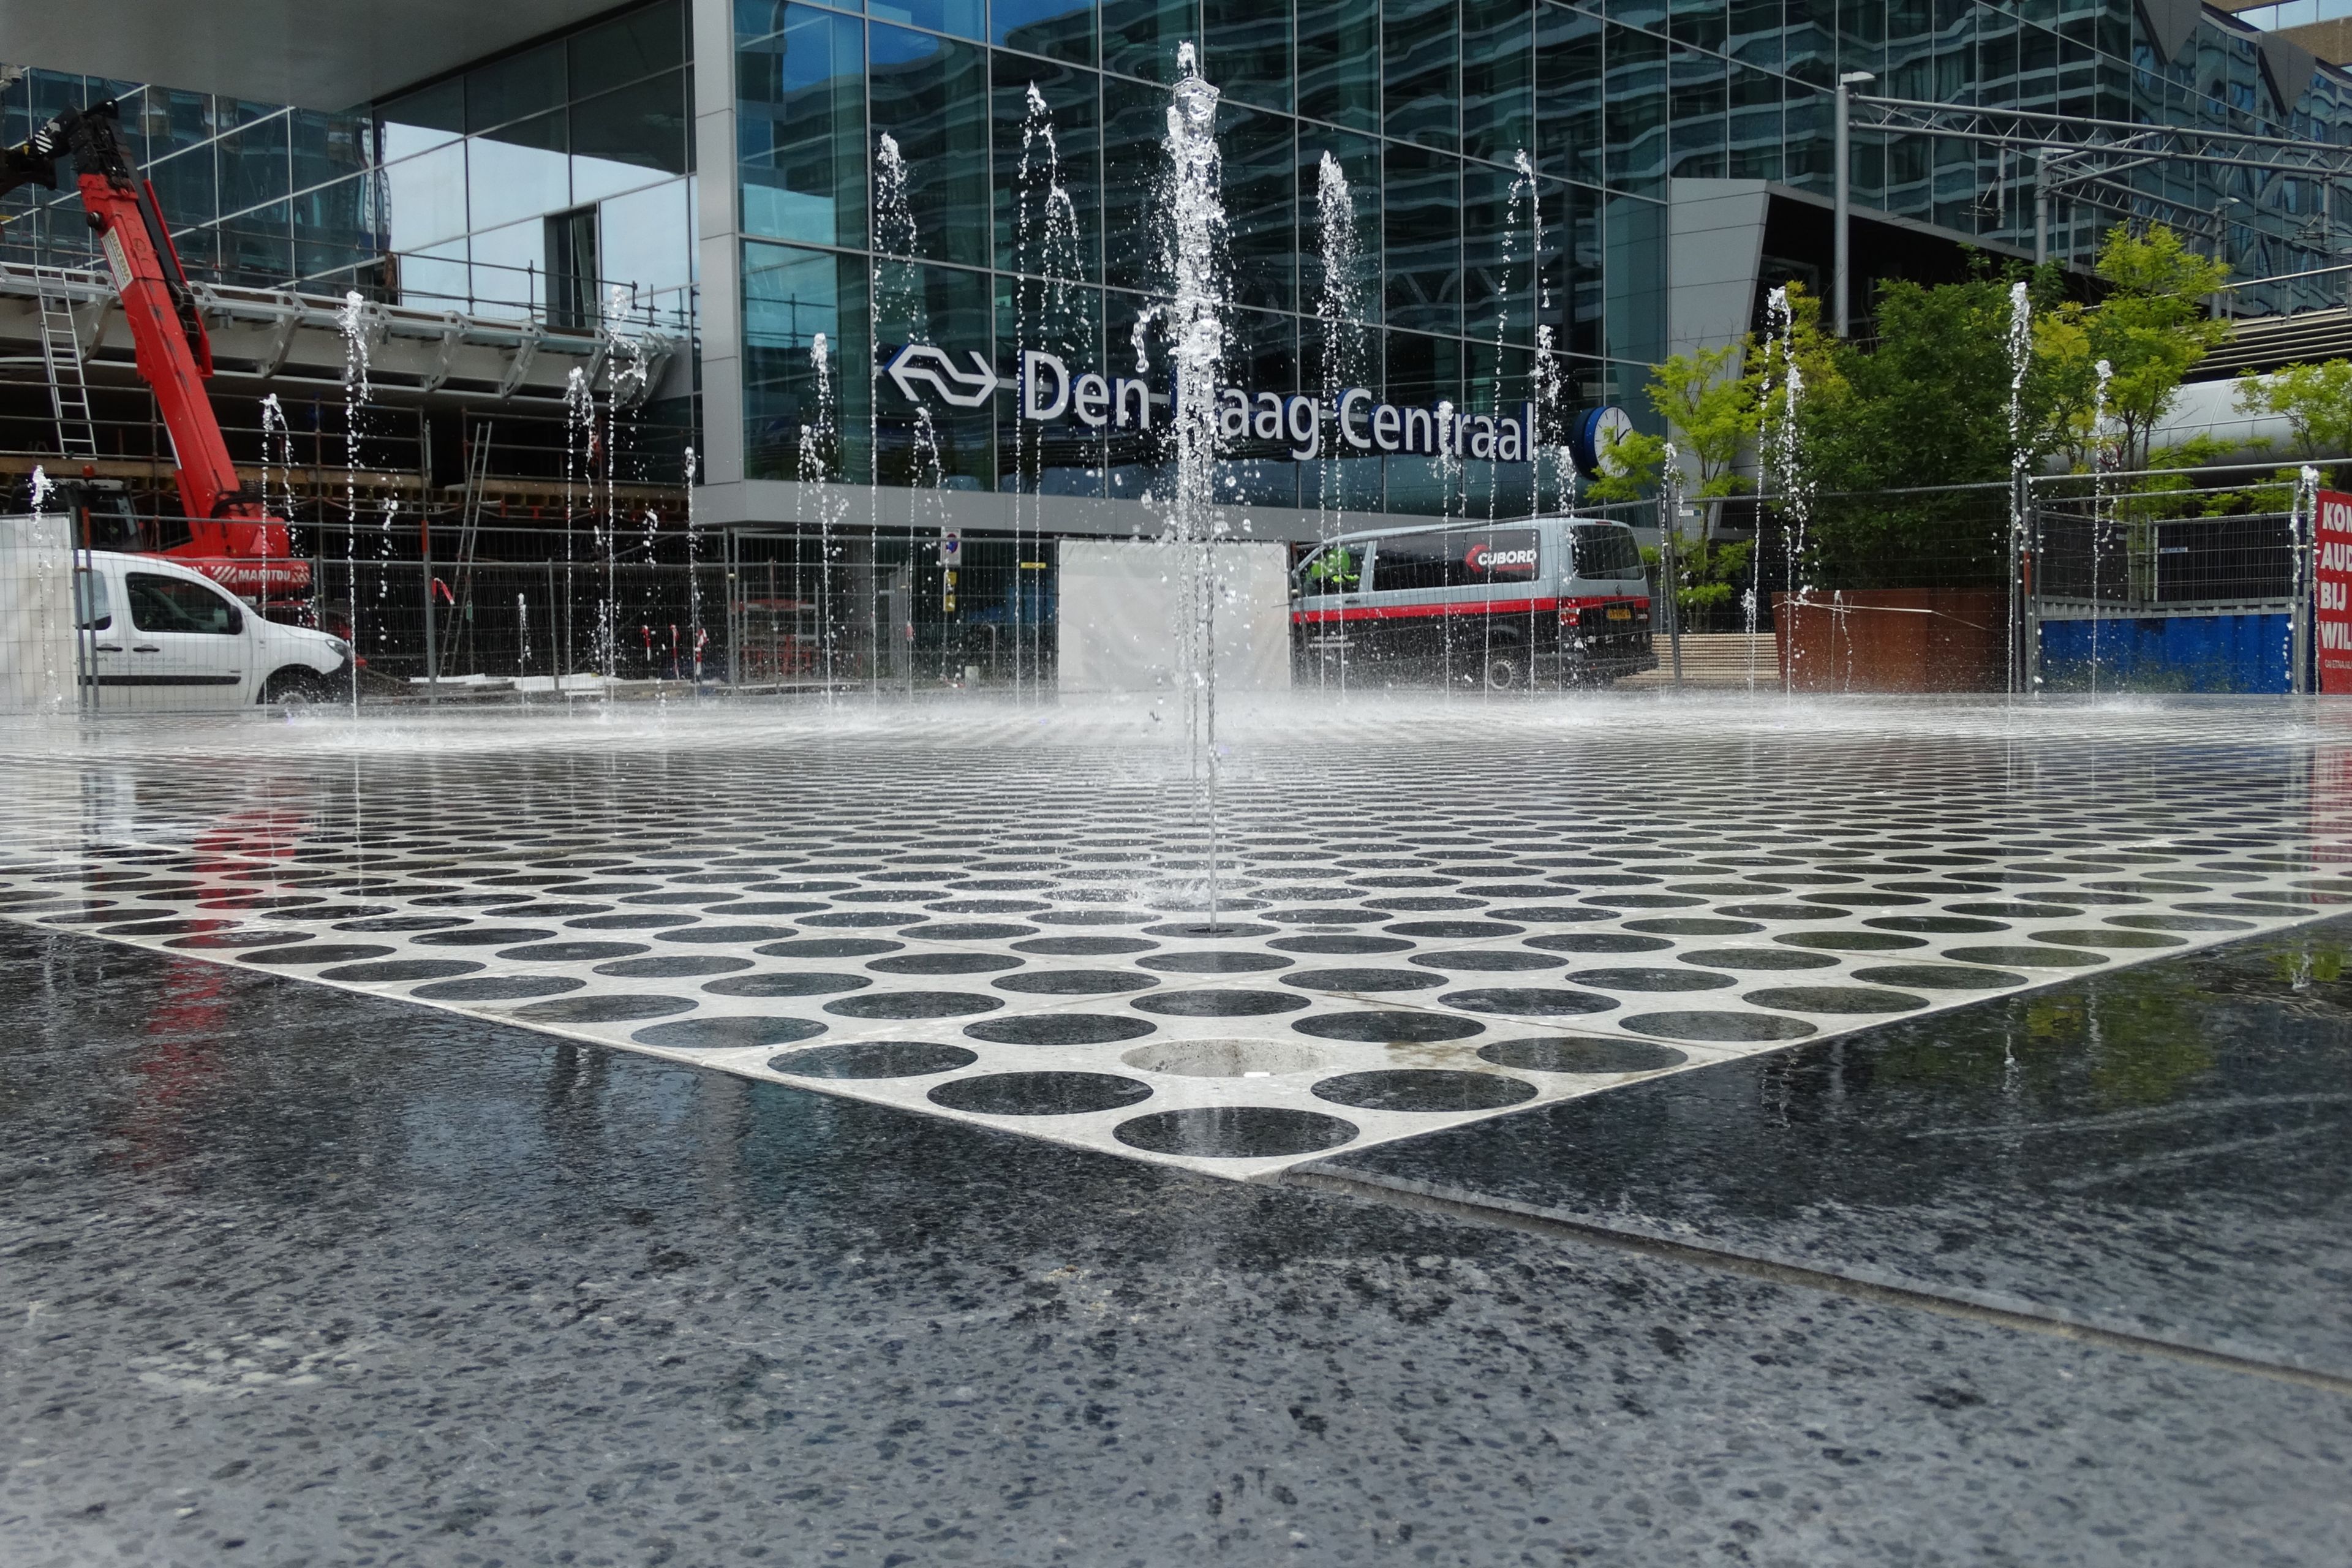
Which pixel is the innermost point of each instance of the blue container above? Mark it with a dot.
(2241, 653)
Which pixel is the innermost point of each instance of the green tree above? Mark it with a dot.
(2151, 330)
(2315, 400)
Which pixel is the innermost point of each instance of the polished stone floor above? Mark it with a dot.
(1421, 916)
(290, 1274)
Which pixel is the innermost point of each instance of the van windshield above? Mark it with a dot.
(1599, 550)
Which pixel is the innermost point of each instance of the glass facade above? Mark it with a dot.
(533, 183)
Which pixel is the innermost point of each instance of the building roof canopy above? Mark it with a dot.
(315, 54)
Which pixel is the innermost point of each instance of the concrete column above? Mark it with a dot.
(719, 243)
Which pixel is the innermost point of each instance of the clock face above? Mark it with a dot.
(1593, 431)
(1610, 426)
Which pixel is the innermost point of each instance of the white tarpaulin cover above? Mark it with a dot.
(1119, 614)
(37, 630)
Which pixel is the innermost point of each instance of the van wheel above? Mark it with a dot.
(1505, 670)
(297, 688)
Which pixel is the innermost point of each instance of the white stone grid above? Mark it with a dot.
(1429, 914)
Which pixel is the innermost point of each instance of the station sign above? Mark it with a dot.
(2332, 592)
(1048, 392)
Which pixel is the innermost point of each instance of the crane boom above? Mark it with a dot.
(232, 536)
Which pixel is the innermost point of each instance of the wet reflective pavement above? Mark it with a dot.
(297, 1275)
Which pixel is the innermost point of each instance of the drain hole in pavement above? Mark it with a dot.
(2107, 938)
(326, 952)
(1692, 926)
(631, 923)
(168, 928)
(382, 924)
(1390, 1028)
(913, 1005)
(1529, 999)
(1229, 960)
(603, 1009)
(1039, 1093)
(672, 966)
(1425, 1089)
(1344, 915)
(1726, 1027)
(1227, 1058)
(944, 963)
(831, 947)
(874, 1058)
(401, 969)
(2041, 957)
(1939, 977)
(483, 936)
(2178, 922)
(859, 918)
(787, 984)
(1061, 1029)
(1362, 980)
(1220, 1004)
(224, 939)
(1205, 930)
(1597, 942)
(1571, 1053)
(1756, 958)
(571, 952)
(1937, 923)
(727, 1034)
(726, 933)
(1338, 943)
(1852, 941)
(970, 930)
(1486, 958)
(1652, 979)
(1090, 917)
(1833, 999)
(1084, 946)
(1456, 930)
(497, 988)
(1234, 1132)
(1075, 983)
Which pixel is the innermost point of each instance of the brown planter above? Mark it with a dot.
(1893, 639)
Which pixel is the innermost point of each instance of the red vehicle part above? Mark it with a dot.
(232, 538)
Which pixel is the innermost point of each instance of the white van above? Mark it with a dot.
(1551, 600)
(157, 636)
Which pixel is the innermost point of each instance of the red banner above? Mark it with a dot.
(2333, 597)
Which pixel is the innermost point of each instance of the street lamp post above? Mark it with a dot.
(1841, 283)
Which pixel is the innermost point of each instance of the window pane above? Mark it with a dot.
(931, 94)
(1248, 51)
(1058, 29)
(1261, 200)
(1568, 89)
(160, 604)
(962, 17)
(1421, 212)
(335, 231)
(1420, 43)
(1359, 158)
(1498, 79)
(1498, 262)
(511, 89)
(510, 268)
(1139, 37)
(258, 246)
(1262, 355)
(801, 125)
(627, 49)
(1636, 280)
(646, 240)
(789, 297)
(1135, 119)
(1636, 114)
(955, 310)
(1063, 456)
(426, 118)
(510, 179)
(427, 195)
(254, 165)
(1698, 100)
(642, 126)
(1039, 231)
(1340, 63)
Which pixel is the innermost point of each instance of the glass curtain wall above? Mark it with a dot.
(530, 184)
(1424, 104)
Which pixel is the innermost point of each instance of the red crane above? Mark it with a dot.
(232, 537)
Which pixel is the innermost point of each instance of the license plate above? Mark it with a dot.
(1620, 613)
